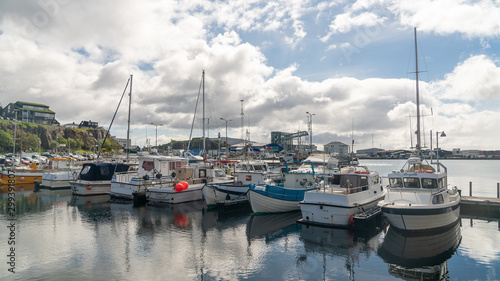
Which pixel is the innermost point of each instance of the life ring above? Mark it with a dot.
(361, 172)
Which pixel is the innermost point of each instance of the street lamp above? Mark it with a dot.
(437, 145)
(227, 155)
(156, 126)
(310, 121)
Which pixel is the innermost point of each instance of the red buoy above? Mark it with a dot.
(184, 184)
(89, 187)
(179, 187)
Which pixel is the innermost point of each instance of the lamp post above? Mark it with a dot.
(226, 120)
(437, 145)
(310, 121)
(156, 127)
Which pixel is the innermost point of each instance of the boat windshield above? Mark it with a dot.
(414, 183)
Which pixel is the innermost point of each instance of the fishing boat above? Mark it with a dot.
(62, 171)
(418, 197)
(95, 178)
(245, 173)
(354, 190)
(283, 197)
(152, 170)
(187, 184)
(21, 175)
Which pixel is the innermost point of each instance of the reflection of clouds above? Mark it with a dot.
(480, 241)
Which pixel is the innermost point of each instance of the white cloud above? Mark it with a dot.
(477, 79)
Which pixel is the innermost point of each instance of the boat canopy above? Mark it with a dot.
(101, 171)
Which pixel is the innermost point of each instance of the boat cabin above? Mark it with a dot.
(101, 171)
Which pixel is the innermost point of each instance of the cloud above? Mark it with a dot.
(471, 18)
(477, 79)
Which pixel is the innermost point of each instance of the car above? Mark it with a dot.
(5, 161)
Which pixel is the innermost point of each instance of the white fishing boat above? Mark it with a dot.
(95, 178)
(187, 184)
(62, 172)
(152, 170)
(285, 197)
(354, 190)
(245, 173)
(418, 197)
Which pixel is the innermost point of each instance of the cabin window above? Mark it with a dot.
(441, 183)
(438, 199)
(335, 180)
(411, 182)
(363, 180)
(104, 171)
(259, 168)
(429, 183)
(203, 173)
(148, 165)
(396, 183)
(85, 170)
(219, 173)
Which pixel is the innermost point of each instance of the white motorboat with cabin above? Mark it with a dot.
(354, 190)
(187, 184)
(152, 170)
(62, 172)
(418, 197)
(245, 173)
(95, 178)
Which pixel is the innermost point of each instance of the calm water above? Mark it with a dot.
(62, 237)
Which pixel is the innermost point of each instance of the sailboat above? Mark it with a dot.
(194, 176)
(418, 197)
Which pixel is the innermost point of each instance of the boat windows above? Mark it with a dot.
(396, 183)
(363, 180)
(438, 199)
(85, 170)
(259, 168)
(411, 182)
(219, 173)
(104, 170)
(429, 183)
(148, 165)
(335, 180)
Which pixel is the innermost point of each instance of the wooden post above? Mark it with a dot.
(498, 189)
(470, 188)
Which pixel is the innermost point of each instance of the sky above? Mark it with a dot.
(350, 63)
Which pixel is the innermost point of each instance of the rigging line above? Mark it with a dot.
(194, 116)
(107, 134)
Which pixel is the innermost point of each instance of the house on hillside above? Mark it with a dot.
(30, 112)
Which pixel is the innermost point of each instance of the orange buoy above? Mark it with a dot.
(184, 184)
(351, 219)
(89, 187)
(179, 187)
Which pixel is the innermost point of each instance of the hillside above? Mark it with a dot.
(30, 136)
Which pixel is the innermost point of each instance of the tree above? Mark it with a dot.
(6, 141)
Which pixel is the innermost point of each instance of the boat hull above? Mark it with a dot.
(416, 218)
(168, 194)
(262, 203)
(86, 188)
(334, 209)
(224, 194)
(21, 177)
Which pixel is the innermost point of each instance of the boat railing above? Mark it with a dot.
(345, 189)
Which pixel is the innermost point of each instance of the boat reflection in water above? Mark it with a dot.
(272, 225)
(338, 252)
(420, 257)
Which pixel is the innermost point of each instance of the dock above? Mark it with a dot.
(480, 206)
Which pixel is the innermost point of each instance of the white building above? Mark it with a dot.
(337, 148)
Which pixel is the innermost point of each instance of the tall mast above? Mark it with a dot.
(128, 122)
(203, 99)
(419, 146)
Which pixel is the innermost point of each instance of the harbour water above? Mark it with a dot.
(59, 236)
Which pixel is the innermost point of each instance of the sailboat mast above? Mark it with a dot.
(203, 99)
(128, 122)
(419, 145)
